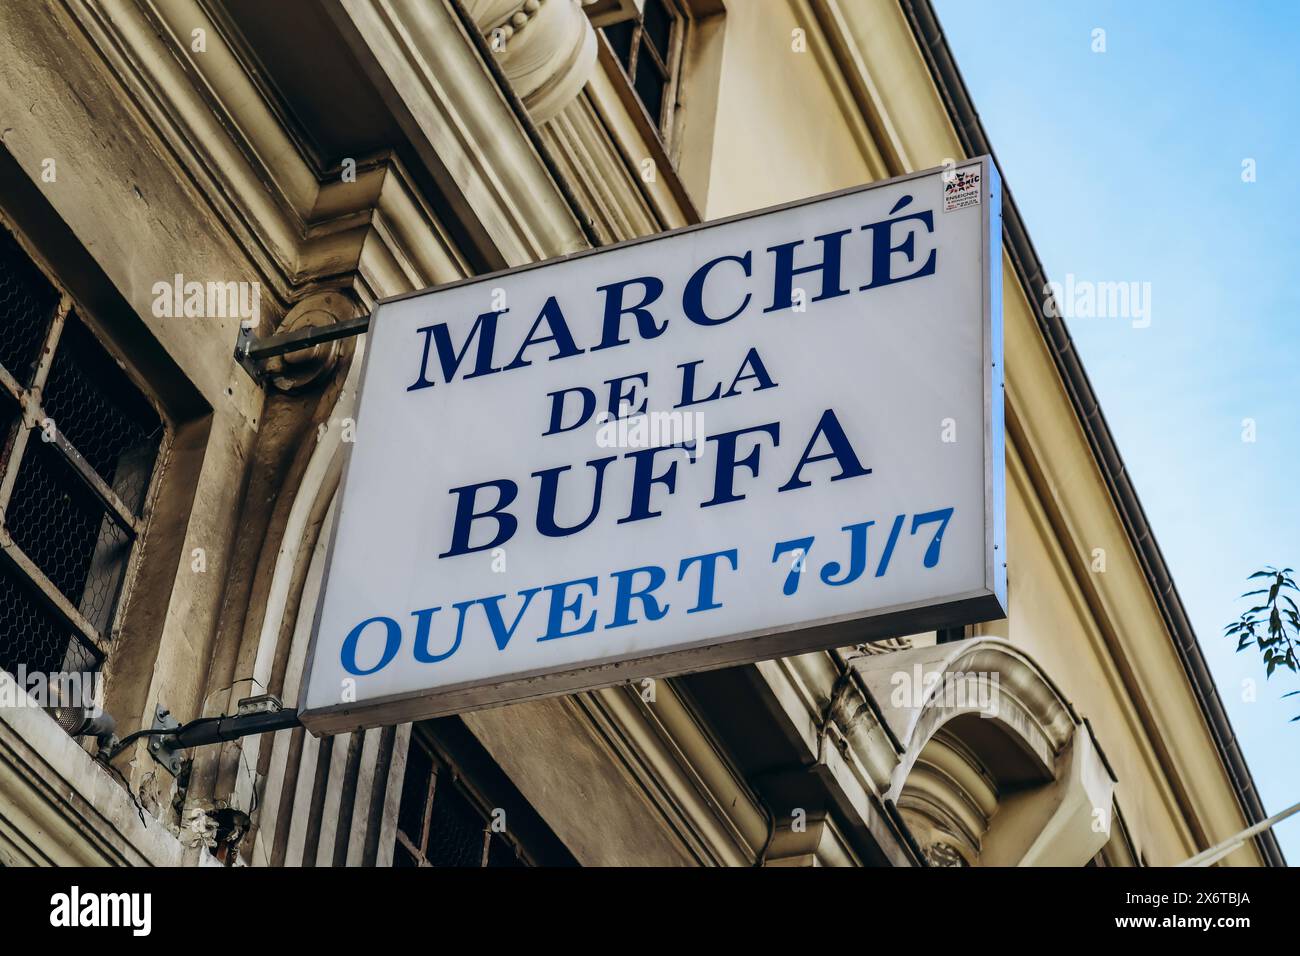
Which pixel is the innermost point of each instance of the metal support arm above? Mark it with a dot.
(169, 739)
(197, 734)
(251, 351)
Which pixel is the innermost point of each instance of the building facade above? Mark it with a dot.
(174, 169)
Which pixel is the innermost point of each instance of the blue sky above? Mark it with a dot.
(1127, 166)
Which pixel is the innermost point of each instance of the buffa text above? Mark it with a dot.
(896, 249)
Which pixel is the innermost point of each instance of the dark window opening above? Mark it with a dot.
(459, 809)
(439, 823)
(27, 302)
(620, 37)
(648, 46)
(75, 471)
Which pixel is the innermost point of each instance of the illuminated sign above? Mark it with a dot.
(736, 441)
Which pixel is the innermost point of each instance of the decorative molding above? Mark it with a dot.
(1028, 703)
(460, 124)
(599, 174)
(876, 755)
(942, 854)
(943, 777)
(828, 712)
(546, 48)
(296, 228)
(666, 749)
(948, 800)
(298, 370)
(59, 807)
(819, 843)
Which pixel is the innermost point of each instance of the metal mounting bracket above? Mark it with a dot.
(255, 715)
(251, 351)
(163, 746)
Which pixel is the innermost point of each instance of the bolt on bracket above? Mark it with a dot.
(165, 748)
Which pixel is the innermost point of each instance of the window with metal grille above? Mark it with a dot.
(442, 820)
(646, 37)
(78, 445)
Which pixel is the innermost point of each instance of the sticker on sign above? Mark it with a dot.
(961, 188)
(749, 438)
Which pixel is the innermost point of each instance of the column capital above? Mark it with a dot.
(546, 48)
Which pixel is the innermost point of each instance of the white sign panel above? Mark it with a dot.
(745, 439)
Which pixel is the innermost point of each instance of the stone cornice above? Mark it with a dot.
(464, 130)
(62, 808)
(298, 227)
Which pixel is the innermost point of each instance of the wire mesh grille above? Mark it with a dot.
(33, 636)
(67, 533)
(455, 829)
(27, 301)
(52, 516)
(94, 404)
(501, 853)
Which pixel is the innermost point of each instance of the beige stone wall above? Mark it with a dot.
(782, 133)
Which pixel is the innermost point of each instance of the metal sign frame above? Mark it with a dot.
(983, 604)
